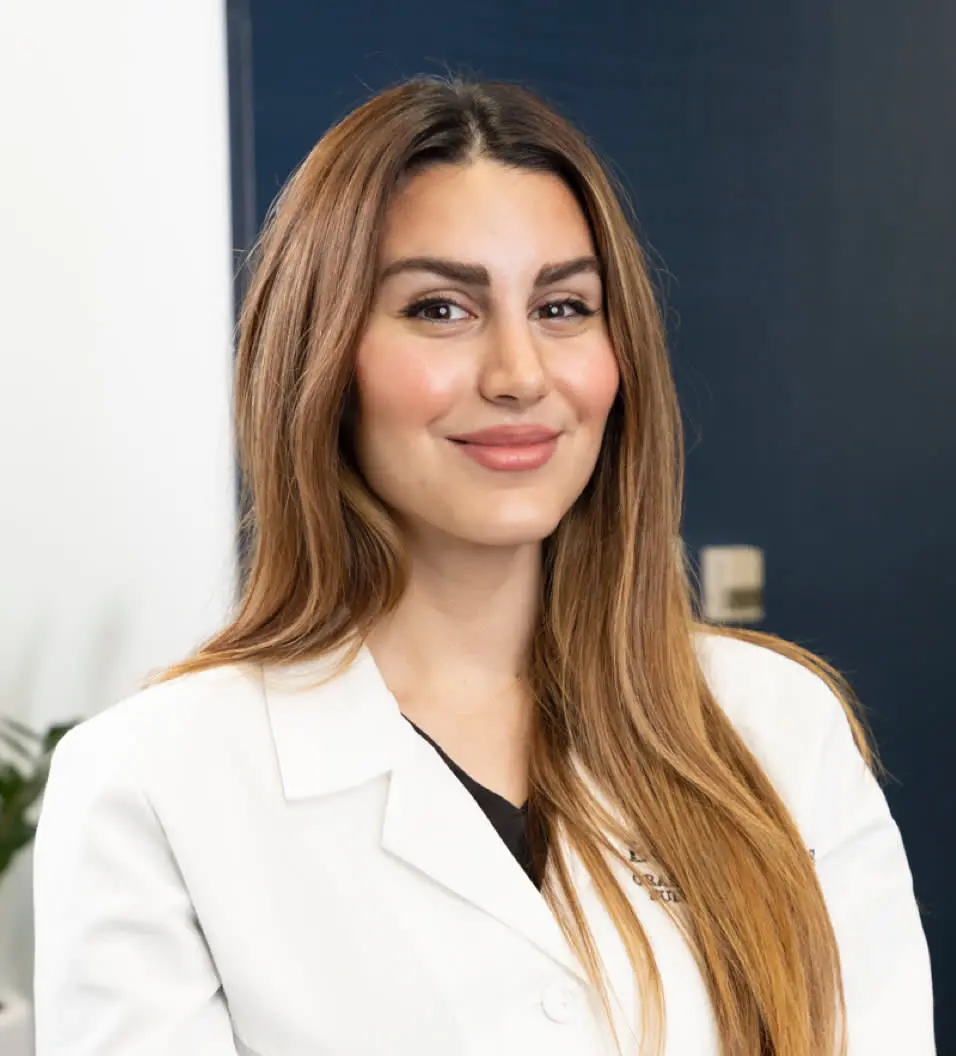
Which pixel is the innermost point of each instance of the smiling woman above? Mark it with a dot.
(500, 358)
(464, 775)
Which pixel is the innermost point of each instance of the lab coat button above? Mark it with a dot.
(559, 1002)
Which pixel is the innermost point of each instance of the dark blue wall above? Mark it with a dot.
(793, 165)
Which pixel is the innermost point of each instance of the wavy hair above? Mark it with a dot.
(612, 667)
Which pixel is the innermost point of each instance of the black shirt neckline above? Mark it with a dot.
(508, 820)
(489, 794)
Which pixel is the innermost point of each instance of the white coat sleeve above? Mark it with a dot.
(121, 967)
(868, 887)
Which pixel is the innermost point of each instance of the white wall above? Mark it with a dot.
(116, 465)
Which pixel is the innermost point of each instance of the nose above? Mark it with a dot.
(512, 370)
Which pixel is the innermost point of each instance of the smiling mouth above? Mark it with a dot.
(510, 457)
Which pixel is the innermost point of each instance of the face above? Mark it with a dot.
(485, 375)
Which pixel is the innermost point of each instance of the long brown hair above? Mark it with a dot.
(612, 666)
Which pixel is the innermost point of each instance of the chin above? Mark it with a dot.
(507, 532)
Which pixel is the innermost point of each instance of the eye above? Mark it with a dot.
(565, 309)
(436, 310)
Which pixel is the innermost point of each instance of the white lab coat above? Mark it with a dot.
(236, 863)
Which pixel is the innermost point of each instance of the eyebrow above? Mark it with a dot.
(477, 275)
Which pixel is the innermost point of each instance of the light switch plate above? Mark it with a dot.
(732, 584)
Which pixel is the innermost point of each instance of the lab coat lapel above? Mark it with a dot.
(434, 825)
(333, 731)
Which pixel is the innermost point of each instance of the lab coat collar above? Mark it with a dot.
(336, 731)
(332, 731)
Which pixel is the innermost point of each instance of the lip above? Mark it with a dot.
(508, 436)
(509, 449)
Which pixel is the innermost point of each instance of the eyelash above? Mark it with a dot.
(413, 310)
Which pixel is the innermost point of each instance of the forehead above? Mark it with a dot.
(485, 212)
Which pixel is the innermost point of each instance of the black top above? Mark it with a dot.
(510, 822)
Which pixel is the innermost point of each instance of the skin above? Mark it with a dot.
(506, 351)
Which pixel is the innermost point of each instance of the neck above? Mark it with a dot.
(461, 631)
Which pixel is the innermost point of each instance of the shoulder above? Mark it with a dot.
(170, 728)
(785, 713)
(756, 684)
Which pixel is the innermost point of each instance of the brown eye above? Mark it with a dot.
(435, 310)
(568, 308)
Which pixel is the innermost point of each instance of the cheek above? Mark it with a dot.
(590, 381)
(399, 385)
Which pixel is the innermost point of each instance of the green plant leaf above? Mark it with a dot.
(55, 734)
(15, 834)
(12, 781)
(19, 728)
(19, 790)
(16, 745)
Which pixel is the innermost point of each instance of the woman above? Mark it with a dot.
(463, 775)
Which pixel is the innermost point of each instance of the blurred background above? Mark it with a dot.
(793, 168)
